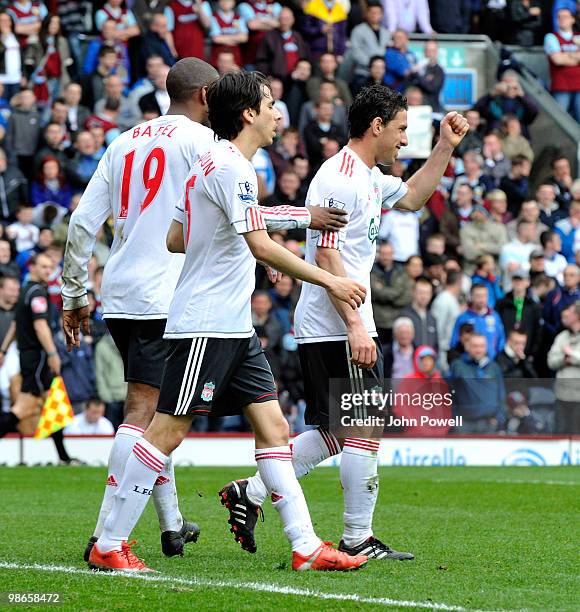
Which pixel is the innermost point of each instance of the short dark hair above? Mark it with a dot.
(229, 96)
(546, 236)
(187, 76)
(58, 101)
(520, 332)
(112, 104)
(559, 158)
(466, 328)
(477, 286)
(371, 102)
(374, 58)
(518, 160)
(105, 50)
(453, 277)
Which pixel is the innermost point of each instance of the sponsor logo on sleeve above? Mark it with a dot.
(246, 192)
(39, 304)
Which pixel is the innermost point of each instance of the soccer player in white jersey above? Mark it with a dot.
(337, 343)
(138, 182)
(216, 363)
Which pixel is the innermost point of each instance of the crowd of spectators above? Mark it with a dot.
(482, 284)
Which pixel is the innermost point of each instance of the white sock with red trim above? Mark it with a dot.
(275, 467)
(141, 471)
(123, 444)
(165, 499)
(308, 450)
(360, 484)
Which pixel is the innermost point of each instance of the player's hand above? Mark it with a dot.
(453, 128)
(273, 275)
(54, 364)
(72, 321)
(324, 218)
(347, 290)
(362, 346)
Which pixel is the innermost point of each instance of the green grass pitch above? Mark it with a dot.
(484, 538)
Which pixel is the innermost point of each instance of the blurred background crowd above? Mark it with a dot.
(482, 284)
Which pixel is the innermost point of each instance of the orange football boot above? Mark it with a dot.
(327, 559)
(119, 560)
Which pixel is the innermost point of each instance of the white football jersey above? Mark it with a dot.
(212, 297)
(138, 181)
(346, 182)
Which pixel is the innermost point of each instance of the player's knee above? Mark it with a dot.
(279, 431)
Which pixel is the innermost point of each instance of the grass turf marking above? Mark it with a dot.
(252, 586)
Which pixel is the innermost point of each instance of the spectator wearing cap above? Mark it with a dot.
(485, 321)
(485, 275)
(537, 264)
(479, 388)
(515, 255)
(564, 359)
(445, 309)
(563, 52)
(520, 419)
(562, 181)
(550, 210)
(398, 355)
(520, 312)
(424, 382)
(516, 184)
(569, 230)
(368, 40)
(554, 261)
(482, 236)
(391, 291)
(419, 312)
(530, 212)
(498, 207)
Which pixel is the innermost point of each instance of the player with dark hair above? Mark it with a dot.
(138, 182)
(335, 342)
(216, 364)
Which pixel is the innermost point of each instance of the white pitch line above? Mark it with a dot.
(251, 586)
(566, 483)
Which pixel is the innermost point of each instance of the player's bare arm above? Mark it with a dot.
(362, 346)
(423, 183)
(266, 250)
(175, 241)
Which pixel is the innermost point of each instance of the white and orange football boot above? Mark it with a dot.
(118, 560)
(327, 559)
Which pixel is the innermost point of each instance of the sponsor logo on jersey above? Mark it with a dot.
(246, 192)
(276, 497)
(207, 393)
(111, 482)
(374, 228)
(161, 480)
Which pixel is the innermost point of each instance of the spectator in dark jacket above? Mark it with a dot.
(295, 91)
(479, 389)
(53, 146)
(158, 41)
(525, 20)
(514, 360)
(282, 48)
(13, 189)
(519, 312)
(319, 130)
(559, 298)
(516, 184)
(429, 77)
(562, 181)
(23, 133)
(418, 311)
(451, 17)
(78, 371)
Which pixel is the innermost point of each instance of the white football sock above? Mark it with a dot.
(165, 499)
(141, 471)
(308, 450)
(275, 467)
(125, 438)
(360, 484)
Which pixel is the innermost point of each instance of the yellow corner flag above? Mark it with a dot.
(57, 411)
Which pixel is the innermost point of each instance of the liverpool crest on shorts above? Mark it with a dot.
(207, 393)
